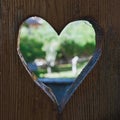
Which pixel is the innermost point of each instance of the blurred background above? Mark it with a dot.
(50, 55)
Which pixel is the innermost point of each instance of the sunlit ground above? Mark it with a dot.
(62, 71)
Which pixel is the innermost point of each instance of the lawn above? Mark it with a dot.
(62, 71)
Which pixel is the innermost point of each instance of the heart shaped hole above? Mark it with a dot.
(55, 61)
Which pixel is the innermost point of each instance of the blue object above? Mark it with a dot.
(32, 66)
(58, 85)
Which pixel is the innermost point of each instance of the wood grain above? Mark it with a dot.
(98, 96)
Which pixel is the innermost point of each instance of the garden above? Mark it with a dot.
(57, 56)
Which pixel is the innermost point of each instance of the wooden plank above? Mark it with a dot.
(98, 96)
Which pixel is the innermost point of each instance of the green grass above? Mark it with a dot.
(61, 71)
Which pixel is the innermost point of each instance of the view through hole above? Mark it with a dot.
(56, 58)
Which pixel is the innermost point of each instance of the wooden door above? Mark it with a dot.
(97, 98)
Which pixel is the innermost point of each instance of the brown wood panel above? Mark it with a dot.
(98, 96)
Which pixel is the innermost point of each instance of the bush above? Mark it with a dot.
(77, 39)
(69, 48)
(31, 49)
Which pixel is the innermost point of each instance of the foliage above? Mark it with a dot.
(78, 38)
(31, 48)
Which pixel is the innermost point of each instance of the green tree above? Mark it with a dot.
(31, 48)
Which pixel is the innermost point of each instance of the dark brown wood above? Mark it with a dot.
(97, 98)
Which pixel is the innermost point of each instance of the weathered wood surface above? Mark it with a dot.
(98, 97)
